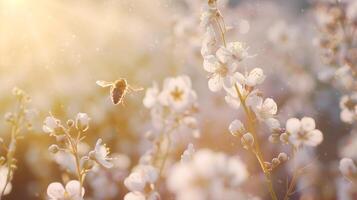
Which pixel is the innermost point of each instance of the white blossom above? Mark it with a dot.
(221, 73)
(56, 191)
(303, 132)
(134, 196)
(208, 42)
(140, 177)
(177, 93)
(263, 109)
(233, 53)
(214, 168)
(51, 124)
(100, 154)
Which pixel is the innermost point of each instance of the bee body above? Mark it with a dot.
(118, 89)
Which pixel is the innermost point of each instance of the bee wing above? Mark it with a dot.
(132, 89)
(116, 95)
(104, 83)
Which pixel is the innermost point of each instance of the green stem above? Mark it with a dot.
(257, 151)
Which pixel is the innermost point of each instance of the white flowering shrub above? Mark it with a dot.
(178, 99)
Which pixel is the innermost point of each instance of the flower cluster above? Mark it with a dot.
(174, 105)
(208, 175)
(70, 151)
(224, 62)
(336, 23)
(172, 112)
(19, 120)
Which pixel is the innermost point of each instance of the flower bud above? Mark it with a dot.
(53, 148)
(283, 157)
(237, 128)
(275, 162)
(247, 140)
(70, 123)
(82, 121)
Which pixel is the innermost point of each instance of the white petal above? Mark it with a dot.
(233, 102)
(293, 125)
(236, 127)
(239, 78)
(134, 196)
(55, 190)
(210, 63)
(215, 83)
(223, 55)
(270, 106)
(255, 77)
(105, 163)
(272, 123)
(315, 137)
(308, 124)
(254, 101)
(347, 116)
(72, 188)
(135, 182)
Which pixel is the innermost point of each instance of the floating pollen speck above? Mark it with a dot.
(118, 89)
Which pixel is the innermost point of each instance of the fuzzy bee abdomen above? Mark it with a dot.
(117, 95)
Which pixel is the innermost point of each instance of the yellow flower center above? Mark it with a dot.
(177, 94)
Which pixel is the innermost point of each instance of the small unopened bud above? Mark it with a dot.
(70, 123)
(283, 157)
(53, 148)
(284, 138)
(247, 140)
(237, 128)
(275, 162)
(87, 163)
(82, 121)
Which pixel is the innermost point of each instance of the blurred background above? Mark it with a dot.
(56, 50)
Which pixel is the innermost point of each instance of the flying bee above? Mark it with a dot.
(118, 89)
